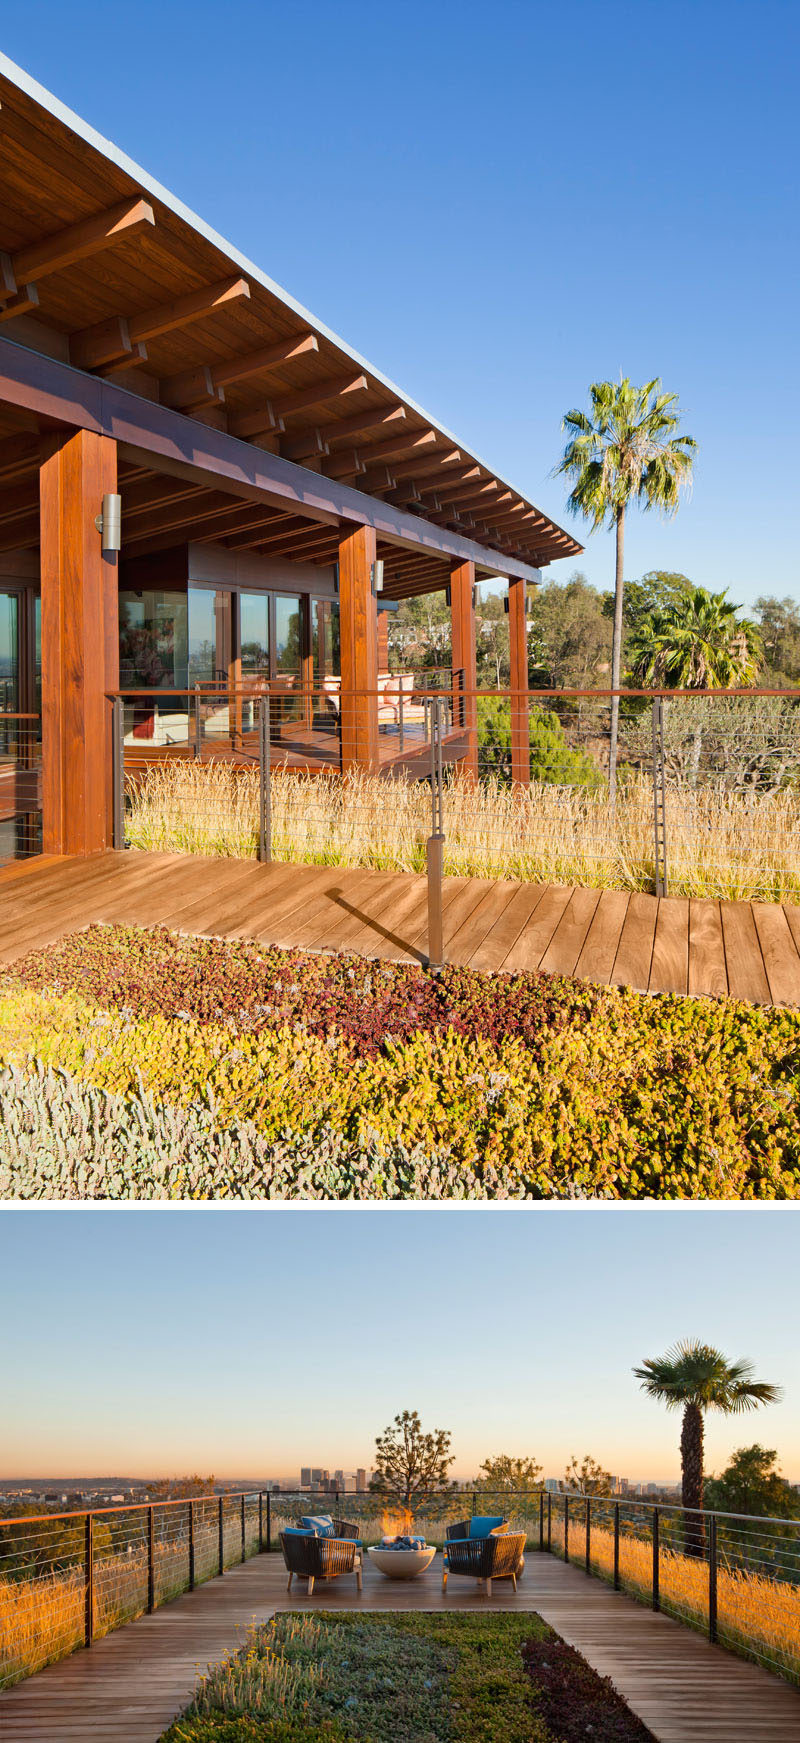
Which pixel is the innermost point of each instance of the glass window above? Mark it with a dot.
(288, 634)
(325, 639)
(9, 653)
(254, 632)
(209, 636)
(153, 641)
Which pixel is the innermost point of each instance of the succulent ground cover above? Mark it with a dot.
(213, 1068)
(405, 1679)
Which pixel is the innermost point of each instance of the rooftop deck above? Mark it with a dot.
(747, 950)
(133, 1682)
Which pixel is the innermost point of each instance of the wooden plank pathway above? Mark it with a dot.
(747, 950)
(133, 1683)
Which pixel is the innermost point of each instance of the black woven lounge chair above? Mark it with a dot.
(343, 1528)
(485, 1558)
(319, 1558)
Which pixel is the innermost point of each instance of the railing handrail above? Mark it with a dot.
(5, 715)
(132, 1506)
(532, 692)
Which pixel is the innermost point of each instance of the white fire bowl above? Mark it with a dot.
(402, 1564)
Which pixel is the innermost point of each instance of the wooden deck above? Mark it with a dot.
(748, 950)
(132, 1683)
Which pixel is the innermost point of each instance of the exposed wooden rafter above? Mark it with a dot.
(345, 388)
(79, 241)
(110, 341)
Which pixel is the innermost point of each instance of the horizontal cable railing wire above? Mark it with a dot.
(66, 1579)
(20, 785)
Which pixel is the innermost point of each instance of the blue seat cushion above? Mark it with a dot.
(320, 1523)
(481, 1527)
(297, 1531)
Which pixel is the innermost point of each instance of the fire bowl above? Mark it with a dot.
(402, 1564)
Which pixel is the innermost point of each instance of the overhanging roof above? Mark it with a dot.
(104, 269)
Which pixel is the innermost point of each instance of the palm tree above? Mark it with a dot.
(627, 450)
(694, 1378)
(696, 643)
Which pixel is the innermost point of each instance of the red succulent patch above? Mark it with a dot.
(577, 1704)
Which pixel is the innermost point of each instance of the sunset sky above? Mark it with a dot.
(247, 1341)
(502, 209)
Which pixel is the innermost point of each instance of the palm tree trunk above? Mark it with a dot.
(616, 658)
(692, 1480)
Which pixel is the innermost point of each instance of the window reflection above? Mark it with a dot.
(153, 641)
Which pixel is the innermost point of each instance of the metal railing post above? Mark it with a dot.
(656, 1592)
(474, 1504)
(712, 1579)
(269, 1521)
(260, 1523)
(434, 849)
(541, 1520)
(659, 798)
(264, 783)
(117, 773)
(588, 1535)
(151, 1570)
(400, 714)
(549, 1520)
(243, 1528)
(198, 723)
(616, 1546)
(566, 1527)
(221, 1535)
(88, 1581)
(191, 1546)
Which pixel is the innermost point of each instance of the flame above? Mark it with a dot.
(397, 1522)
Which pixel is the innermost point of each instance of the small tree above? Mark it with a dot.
(506, 1476)
(411, 1465)
(587, 1478)
(180, 1488)
(751, 1484)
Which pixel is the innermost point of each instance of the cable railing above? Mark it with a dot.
(68, 1578)
(20, 785)
(707, 802)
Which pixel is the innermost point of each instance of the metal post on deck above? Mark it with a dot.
(659, 798)
(656, 1591)
(434, 851)
(400, 715)
(541, 1520)
(269, 1522)
(616, 1546)
(264, 783)
(198, 723)
(566, 1527)
(588, 1535)
(117, 773)
(260, 1522)
(151, 1569)
(221, 1535)
(191, 1546)
(88, 1582)
(244, 1533)
(712, 1579)
(549, 1520)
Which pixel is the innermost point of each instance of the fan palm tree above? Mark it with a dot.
(627, 449)
(696, 643)
(694, 1378)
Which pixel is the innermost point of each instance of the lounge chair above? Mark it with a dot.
(497, 1556)
(319, 1558)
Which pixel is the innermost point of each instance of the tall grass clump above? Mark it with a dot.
(722, 843)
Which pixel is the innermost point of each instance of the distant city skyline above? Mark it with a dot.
(128, 1362)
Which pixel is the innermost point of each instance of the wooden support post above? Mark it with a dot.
(383, 641)
(518, 647)
(80, 645)
(462, 622)
(358, 629)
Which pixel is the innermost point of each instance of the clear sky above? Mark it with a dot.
(498, 206)
(248, 1341)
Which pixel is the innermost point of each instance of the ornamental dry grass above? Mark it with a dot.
(720, 844)
(758, 1617)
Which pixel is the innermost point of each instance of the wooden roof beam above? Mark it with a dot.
(80, 241)
(480, 491)
(346, 464)
(238, 368)
(404, 442)
(124, 337)
(21, 302)
(385, 419)
(435, 466)
(345, 388)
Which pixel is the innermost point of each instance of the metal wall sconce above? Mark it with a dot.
(109, 523)
(376, 575)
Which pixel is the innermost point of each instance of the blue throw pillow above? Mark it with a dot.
(320, 1523)
(482, 1527)
(297, 1531)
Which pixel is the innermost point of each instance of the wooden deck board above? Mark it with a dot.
(749, 951)
(134, 1681)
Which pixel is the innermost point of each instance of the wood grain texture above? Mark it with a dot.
(518, 653)
(462, 619)
(132, 1683)
(490, 925)
(358, 636)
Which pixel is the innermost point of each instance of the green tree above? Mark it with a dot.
(411, 1466)
(751, 1484)
(570, 641)
(504, 1475)
(696, 643)
(657, 589)
(552, 759)
(694, 1378)
(587, 1478)
(626, 450)
(779, 625)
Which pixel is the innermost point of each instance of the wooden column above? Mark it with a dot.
(80, 645)
(465, 682)
(518, 646)
(383, 641)
(358, 631)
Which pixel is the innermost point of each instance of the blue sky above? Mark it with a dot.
(246, 1341)
(498, 207)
